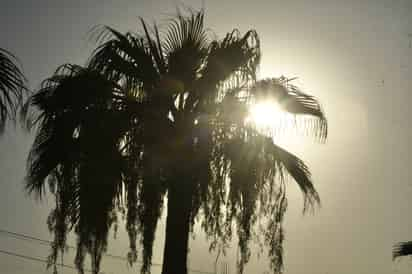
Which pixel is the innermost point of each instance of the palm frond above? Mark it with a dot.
(298, 170)
(62, 104)
(151, 197)
(155, 47)
(186, 29)
(12, 87)
(81, 121)
(125, 57)
(402, 249)
(234, 53)
(292, 100)
(254, 171)
(186, 47)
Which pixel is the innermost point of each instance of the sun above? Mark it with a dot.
(265, 115)
(270, 119)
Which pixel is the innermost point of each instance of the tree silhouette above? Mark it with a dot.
(12, 88)
(160, 118)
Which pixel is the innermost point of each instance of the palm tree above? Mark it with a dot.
(402, 249)
(12, 88)
(157, 118)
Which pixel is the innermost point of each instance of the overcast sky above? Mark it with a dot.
(355, 56)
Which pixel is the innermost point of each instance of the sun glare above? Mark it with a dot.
(270, 119)
(265, 115)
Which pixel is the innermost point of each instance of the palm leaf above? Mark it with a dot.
(402, 249)
(298, 170)
(12, 87)
(82, 118)
(292, 100)
(233, 53)
(125, 56)
(155, 47)
(186, 47)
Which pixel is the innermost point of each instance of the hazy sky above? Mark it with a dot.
(355, 56)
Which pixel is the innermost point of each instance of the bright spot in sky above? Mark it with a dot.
(270, 119)
(265, 114)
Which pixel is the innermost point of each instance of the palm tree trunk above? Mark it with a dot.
(177, 231)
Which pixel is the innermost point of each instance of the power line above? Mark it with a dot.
(36, 259)
(21, 236)
(25, 237)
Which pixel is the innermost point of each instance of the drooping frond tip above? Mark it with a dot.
(299, 171)
(402, 249)
(306, 108)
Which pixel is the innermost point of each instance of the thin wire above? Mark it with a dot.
(23, 236)
(46, 242)
(26, 237)
(36, 259)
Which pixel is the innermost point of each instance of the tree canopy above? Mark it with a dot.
(160, 116)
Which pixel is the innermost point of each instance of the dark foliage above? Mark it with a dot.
(12, 88)
(402, 249)
(164, 113)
